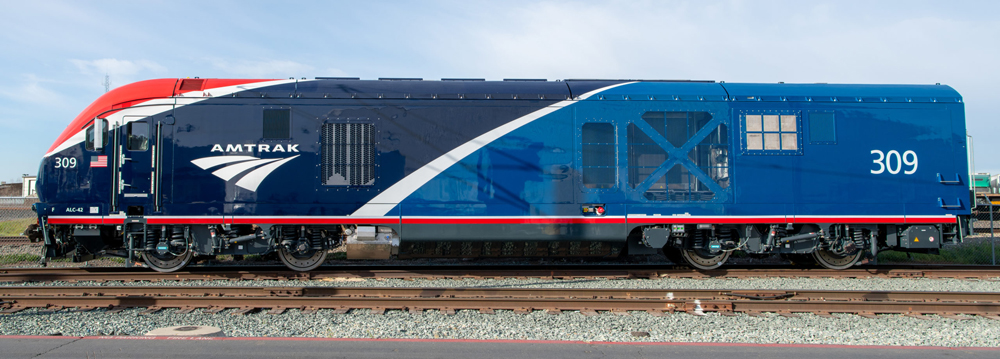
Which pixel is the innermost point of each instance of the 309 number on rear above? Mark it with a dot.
(893, 162)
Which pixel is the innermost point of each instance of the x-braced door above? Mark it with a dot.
(679, 156)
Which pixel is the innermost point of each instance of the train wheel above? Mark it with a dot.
(167, 262)
(704, 261)
(832, 260)
(302, 261)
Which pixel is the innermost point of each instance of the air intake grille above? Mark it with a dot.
(348, 154)
(192, 84)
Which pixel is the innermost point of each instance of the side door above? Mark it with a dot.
(598, 146)
(136, 166)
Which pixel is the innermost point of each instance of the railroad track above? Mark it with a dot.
(139, 274)
(487, 300)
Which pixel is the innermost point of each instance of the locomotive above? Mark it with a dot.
(163, 171)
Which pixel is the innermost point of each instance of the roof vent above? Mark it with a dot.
(400, 79)
(338, 78)
(538, 80)
(458, 79)
(191, 84)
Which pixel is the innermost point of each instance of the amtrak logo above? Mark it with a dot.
(255, 169)
(250, 146)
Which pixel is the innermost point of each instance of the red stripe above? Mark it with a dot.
(76, 220)
(527, 220)
(203, 220)
(310, 220)
(848, 220)
(703, 220)
(511, 220)
(127, 95)
(930, 220)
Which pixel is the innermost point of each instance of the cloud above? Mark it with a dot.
(120, 72)
(116, 67)
(262, 69)
(32, 90)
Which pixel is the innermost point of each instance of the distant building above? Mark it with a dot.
(24, 189)
(28, 186)
(10, 189)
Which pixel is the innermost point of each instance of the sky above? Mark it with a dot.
(54, 55)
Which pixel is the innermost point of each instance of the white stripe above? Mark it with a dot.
(228, 172)
(166, 104)
(253, 179)
(209, 162)
(73, 140)
(385, 201)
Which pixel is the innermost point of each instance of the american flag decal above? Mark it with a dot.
(98, 161)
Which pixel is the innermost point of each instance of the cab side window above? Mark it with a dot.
(138, 136)
(90, 136)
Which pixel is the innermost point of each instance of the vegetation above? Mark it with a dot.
(14, 227)
(974, 251)
(20, 257)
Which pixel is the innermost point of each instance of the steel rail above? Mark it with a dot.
(131, 275)
(655, 301)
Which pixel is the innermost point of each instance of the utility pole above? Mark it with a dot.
(107, 83)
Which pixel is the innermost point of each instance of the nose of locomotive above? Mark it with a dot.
(40, 181)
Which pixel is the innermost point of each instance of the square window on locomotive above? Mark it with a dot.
(755, 141)
(771, 123)
(777, 134)
(788, 123)
(753, 123)
(772, 141)
(789, 141)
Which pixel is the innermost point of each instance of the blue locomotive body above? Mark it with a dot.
(169, 169)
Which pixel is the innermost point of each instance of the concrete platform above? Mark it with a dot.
(245, 348)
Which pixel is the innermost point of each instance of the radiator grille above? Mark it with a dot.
(348, 154)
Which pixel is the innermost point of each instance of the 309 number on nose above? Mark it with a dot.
(65, 162)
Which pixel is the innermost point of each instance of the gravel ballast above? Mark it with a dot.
(539, 325)
(466, 324)
(849, 329)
